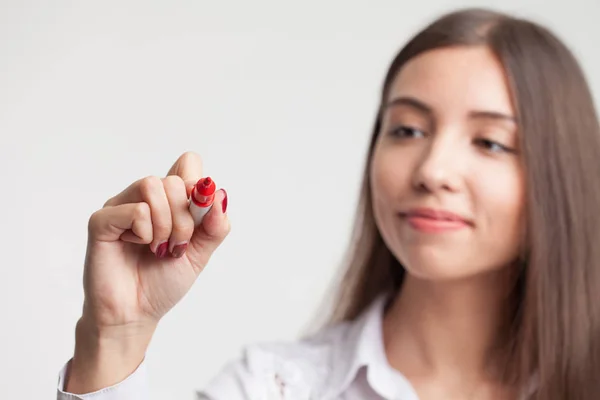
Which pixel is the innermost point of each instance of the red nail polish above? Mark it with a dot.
(162, 250)
(224, 202)
(179, 250)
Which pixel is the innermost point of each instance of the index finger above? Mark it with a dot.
(189, 168)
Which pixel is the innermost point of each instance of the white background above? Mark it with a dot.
(279, 99)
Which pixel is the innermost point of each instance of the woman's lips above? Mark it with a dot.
(435, 221)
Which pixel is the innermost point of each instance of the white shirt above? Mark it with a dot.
(344, 362)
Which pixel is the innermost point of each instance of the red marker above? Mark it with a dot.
(202, 198)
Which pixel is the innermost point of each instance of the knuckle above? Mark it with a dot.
(183, 226)
(150, 184)
(143, 230)
(141, 211)
(173, 183)
(185, 230)
(162, 228)
(179, 236)
(189, 155)
(108, 202)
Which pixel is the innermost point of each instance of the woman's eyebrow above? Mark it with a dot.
(412, 103)
(424, 108)
(493, 115)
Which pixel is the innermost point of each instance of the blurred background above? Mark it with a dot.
(278, 98)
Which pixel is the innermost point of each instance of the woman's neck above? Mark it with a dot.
(445, 329)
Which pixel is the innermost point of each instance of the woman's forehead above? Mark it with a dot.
(457, 78)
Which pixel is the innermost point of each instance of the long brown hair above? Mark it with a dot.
(554, 332)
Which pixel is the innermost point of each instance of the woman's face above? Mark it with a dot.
(446, 177)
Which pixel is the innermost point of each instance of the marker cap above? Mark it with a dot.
(204, 192)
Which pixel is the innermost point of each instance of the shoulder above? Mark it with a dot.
(266, 370)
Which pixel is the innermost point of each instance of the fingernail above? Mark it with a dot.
(224, 202)
(179, 250)
(162, 250)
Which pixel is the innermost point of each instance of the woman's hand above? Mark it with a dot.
(143, 256)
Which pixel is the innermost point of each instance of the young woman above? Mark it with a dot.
(475, 270)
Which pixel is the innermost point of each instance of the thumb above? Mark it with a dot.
(210, 234)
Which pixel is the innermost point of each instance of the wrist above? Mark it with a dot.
(105, 356)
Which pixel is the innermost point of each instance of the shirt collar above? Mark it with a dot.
(362, 346)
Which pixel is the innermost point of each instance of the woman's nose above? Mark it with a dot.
(440, 166)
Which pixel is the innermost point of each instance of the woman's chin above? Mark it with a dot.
(442, 267)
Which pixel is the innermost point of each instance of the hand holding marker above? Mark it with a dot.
(148, 216)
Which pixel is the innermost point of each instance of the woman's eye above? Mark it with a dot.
(493, 147)
(407, 132)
